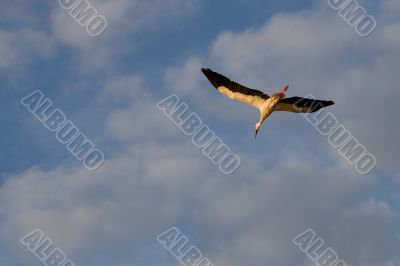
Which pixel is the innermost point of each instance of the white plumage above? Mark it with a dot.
(264, 103)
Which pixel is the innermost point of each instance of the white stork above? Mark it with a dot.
(264, 103)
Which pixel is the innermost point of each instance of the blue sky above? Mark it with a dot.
(290, 179)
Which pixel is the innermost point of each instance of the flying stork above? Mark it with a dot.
(264, 103)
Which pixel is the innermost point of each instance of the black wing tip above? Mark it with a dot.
(214, 78)
(321, 104)
(206, 70)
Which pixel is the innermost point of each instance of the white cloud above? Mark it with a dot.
(126, 20)
(246, 219)
(134, 116)
(122, 205)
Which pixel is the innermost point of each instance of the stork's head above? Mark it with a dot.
(258, 125)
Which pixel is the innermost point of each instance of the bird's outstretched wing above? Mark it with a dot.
(301, 105)
(234, 90)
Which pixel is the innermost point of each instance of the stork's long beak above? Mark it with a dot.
(255, 135)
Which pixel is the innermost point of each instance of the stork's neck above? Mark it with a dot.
(269, 106)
